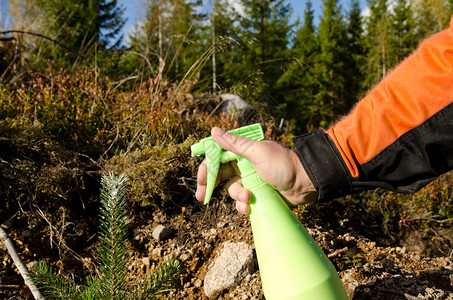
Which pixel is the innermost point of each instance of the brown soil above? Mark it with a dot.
(406, 263)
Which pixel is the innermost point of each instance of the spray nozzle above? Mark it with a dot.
(215, 155)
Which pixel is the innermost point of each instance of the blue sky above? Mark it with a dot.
(135, 10)
(299, 6)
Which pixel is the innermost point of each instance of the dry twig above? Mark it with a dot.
(333, 254)
(20, 264)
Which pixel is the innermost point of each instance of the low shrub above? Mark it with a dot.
(156, 173)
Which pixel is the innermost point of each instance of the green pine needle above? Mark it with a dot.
(161, 281)
(113, 237)
(112, 282)
(53, 286)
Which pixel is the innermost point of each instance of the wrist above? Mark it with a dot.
(303, 189)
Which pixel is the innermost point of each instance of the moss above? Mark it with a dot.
(34, 169)
(156, 173)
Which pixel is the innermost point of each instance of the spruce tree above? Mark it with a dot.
(377, 42)
(297, 84)
(355, 58)
(226, 46)
(228, 49)
(403, 40)
(79, 25)
(109, 23)
(265, 45)
(331, 68)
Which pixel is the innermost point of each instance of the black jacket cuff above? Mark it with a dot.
(323, 164)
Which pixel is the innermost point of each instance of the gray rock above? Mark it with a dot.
(234, 105)
(161, 232)
(236, 261)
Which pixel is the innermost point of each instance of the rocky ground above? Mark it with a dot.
(413, 267)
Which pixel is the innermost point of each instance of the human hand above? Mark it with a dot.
(276, 165)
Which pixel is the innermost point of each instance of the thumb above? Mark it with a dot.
(235, 143)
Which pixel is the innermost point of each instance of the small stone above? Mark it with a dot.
(367, 267)
(389, 265)
(161, 232)
(184, 256)
(352, 286)
(371, 284)
(146, 261)
(248, 278)
(198, 283)
(157, 253)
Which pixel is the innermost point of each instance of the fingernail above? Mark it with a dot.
(217, 131)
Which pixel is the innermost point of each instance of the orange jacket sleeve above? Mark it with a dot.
(399, 137)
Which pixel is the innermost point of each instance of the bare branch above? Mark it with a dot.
(46, 38)
(20, 264)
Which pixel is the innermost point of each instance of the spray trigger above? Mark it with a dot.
(213, 152)
(215, 155)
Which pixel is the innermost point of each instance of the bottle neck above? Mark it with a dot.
(250, 177)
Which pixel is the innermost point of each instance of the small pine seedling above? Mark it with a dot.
(112, 280)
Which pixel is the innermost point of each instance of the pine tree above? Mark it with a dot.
(112, 281)
(298, 84)
(331, 68)
(355, 58)
(25, 14)
(403, 40)
(377, 42)
(79, 25)
(265, 45)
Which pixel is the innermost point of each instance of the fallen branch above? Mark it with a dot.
(20, 265)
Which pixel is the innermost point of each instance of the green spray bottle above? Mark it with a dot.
(292, 266)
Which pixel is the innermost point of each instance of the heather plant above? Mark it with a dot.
(429, 209)
(92, 115)
(112, 280)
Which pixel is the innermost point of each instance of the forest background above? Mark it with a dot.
(303, 73)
